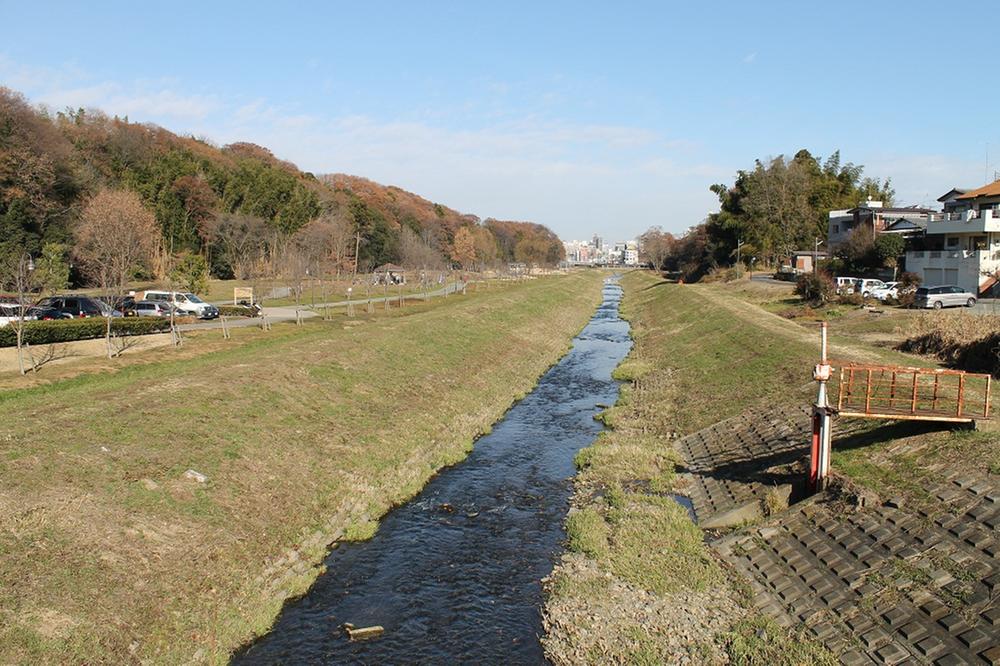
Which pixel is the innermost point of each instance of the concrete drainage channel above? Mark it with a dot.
(883, 584)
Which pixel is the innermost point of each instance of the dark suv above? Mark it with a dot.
(76, 306)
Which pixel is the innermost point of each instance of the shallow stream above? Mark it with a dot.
(454, 575)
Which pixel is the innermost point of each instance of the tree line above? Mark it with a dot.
(779, 206)
(71, 180)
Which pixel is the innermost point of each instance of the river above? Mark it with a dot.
(454, 575)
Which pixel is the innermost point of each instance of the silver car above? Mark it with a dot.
(942, 297)
(153, 309)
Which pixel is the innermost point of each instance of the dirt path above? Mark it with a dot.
(761, 318)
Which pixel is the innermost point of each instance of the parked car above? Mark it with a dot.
(890, 290)
(151, 309)
(845, 285)
(77, 306)
(123, 304)
(186, 303)
(11, 312)
(42, 313)
(865, 286)
(943, 296)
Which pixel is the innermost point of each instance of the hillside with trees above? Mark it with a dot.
(777, 207)
(236, 210)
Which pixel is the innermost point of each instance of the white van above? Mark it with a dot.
(185, 303)
(845, 285)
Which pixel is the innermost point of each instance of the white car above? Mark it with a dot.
(890, 290)
(185, 303)
(10, 312)
(867, 286)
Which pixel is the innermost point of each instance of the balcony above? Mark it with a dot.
(970, 221)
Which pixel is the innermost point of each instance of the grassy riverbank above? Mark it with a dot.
(109, 553)
(639, 585)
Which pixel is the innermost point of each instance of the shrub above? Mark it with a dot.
(71, 330)
(909, 281)
(851, 299)
(234, 311)
(816, 287)
(720, 274)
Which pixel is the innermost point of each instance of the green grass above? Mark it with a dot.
(658, 548)
(758, 641)
(302, 432)
(587, 532)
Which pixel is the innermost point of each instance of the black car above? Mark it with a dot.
(43, 313)
(74, 306)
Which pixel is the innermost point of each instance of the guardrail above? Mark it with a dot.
(921, 394)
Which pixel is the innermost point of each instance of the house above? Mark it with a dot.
(389, 274)
(804, 261)
(961, 245)
(872, 215)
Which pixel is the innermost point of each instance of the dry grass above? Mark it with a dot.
(961, 340)
(955, 326)
(302, 433)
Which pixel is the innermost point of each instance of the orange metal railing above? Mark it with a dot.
(893, 392)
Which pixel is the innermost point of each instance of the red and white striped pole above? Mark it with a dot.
(819, 461)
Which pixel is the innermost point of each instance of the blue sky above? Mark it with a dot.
(588, 117)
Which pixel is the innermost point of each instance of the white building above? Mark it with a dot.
(631, 256)
(962, 244)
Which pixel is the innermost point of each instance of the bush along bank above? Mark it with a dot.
(638, 583)
(965, 342)
(71, 330)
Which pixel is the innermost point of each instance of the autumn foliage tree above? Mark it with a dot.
(463, 249)
(116, 236)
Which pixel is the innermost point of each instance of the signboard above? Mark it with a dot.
(242, 294)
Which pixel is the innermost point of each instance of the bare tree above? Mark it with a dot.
(242, 239)
(116, 235)
(17, 276)
(655, 247)
(416, 253)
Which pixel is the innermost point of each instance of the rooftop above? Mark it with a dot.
(894, 209)
(955, 190)
(991, 190)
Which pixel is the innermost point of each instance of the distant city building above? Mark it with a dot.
(596, 252)
(632, 253)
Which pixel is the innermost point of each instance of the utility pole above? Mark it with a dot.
(822, 421)
(357, 248)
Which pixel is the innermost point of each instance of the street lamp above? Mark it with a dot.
(816, 244)
(739, 248)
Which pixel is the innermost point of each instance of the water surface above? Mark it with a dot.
(454, 575)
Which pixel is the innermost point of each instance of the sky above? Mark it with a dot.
(588, 117)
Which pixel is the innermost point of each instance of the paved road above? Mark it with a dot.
(287, 312)
(987, 306)
(766, 277)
